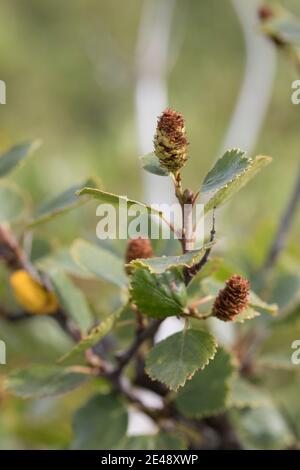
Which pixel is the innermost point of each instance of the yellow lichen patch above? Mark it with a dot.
(31, 295)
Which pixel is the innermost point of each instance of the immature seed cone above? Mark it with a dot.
(233, 299)
(138, 248)
(170, 142)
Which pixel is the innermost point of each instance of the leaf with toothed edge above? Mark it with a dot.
(175, 360)
(158, 295)
(228, 167)
(224, 193)
(207, 393)
(163, 263)
(116, 200)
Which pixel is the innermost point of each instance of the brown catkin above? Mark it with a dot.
(138, 248)
(170, 142)
(233, 299)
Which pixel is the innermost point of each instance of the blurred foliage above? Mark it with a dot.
(69, 69)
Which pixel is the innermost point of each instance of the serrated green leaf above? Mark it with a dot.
(228, 167)
(40, 381)
(64, 202)
(116, 200)
(244, 394)
(13, 157)
(158, 295)
(223, 194)
(100, 424)
(72, 299)
(163, 263)
(208, 391)
(175, 360)
(100, 262)
(95, 335)
(13, 203)
(151, 163)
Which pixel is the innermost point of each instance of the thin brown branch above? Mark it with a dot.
(14, 316)
(67, 325)
(189, 273)
(15, 257)
(60, 317)
(167, 418)
(223, 426)
(12, 253)
(140, 338)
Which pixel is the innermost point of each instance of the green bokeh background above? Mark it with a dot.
(69, 70)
